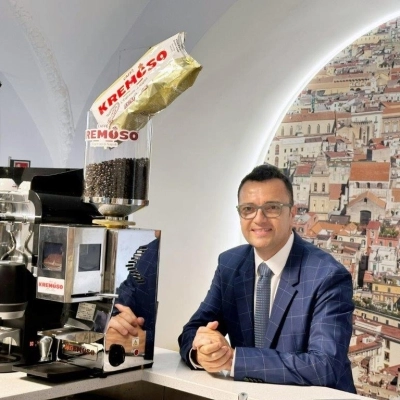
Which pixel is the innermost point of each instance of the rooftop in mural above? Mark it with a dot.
(368, 195)
(370, 171)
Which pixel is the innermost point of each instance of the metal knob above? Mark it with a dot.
(242, 396)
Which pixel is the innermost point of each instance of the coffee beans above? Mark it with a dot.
(122, 178)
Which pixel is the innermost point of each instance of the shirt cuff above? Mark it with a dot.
(194, 364)
(232, 374)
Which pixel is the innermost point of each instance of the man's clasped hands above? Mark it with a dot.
(211, 350)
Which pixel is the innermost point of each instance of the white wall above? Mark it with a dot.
(19, 136)
(256, 58)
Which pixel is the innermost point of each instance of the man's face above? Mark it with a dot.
(267, 235)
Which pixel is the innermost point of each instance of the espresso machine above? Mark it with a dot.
(28, 198)
(86, 268)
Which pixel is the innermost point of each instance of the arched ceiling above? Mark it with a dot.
(57, 56)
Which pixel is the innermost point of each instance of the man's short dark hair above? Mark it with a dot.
(267, 172)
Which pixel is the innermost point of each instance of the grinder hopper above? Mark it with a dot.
(117, 166)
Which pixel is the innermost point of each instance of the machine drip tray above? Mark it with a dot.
(55, 371)
(7, 362)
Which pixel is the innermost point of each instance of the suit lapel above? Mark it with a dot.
(286, 289)
(244, 294)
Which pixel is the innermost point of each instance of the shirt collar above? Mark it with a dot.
(277, 262)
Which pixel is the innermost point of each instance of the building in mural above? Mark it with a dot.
(340, 144)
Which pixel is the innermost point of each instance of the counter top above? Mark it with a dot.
(17, 386)
(168, 371)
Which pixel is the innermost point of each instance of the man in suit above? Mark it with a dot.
(310, 314)
(136, 305)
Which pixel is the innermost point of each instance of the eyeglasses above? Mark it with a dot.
(270, 209)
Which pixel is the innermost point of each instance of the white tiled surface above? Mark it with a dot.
(169, 371)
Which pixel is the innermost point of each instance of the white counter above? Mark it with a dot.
(16, 385)
(170, 372)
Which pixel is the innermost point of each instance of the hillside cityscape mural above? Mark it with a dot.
(340, 144)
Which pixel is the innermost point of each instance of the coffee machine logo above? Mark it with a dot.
(85, 351)
(50, 285)
(109, 137)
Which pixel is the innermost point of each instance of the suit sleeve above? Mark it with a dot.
(324, 361)
(209, 310)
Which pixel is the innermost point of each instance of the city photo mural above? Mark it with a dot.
(340, 145)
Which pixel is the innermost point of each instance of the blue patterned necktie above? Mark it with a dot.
(263, 295)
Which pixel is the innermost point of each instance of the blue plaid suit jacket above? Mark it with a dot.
(310, 323)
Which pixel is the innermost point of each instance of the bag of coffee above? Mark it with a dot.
(155, 81)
